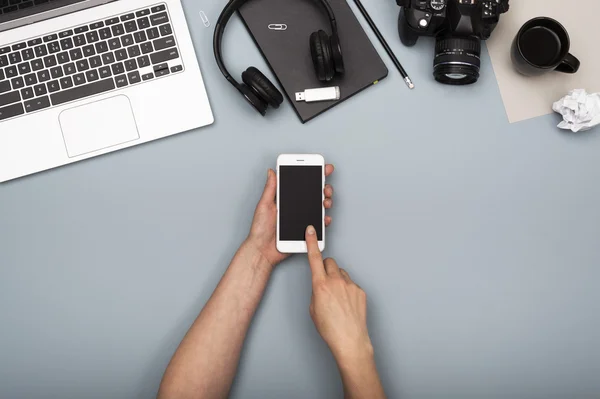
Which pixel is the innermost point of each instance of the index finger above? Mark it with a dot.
(315, 259)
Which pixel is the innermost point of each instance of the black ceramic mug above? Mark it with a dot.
(542, 45)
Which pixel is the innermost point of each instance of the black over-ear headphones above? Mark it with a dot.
(325, 50)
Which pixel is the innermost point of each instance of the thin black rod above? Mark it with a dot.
(384, 43)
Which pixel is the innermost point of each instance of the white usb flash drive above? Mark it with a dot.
(321, 94)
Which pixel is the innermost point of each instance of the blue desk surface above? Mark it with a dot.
(477, 242)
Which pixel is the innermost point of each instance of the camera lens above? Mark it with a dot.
(457, 60)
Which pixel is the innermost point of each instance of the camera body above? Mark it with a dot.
(458, 25)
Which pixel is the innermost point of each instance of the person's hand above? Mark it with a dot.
(338, 306)
(263, 233)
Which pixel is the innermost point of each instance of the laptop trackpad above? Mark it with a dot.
(98, 125)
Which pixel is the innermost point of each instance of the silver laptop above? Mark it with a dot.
(80, 78)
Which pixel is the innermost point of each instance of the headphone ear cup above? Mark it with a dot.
(320, 50)
(253, 99)
(262, 87)
(336, 51)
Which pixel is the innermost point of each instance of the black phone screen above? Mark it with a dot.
(300, 201)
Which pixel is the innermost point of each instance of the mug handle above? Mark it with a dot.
(569, 65)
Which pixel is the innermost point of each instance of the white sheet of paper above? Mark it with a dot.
(529, 97)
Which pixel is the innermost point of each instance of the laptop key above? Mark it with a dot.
(49, 38)
(43, 75)
(76, 93)
(36, 65)
(31, 43)
(176, 68)
(121, 80)
(27, 93)
(11, 111)
(65, 33)
(165, 55)
(130, 26)
(158, 8)
(117, 30)
(63, 57)
(4, 86)
(92, 36)
(95, 62)
(9, 98)
(15, 58)
(159, 19)
(24, 68)
(79, 40)
(108, 58)
(56, 72)
(152, 33)
(66, 82)
(143, 23)
(28, 54)
(165, 29)
(3, 60)
(76, 54)
(127, 17)
(81, 29)
(53, 47)
(37, 103)
(53, 86)
(4, 50)
(143, 61)
(50, 61)
(41, 50)
(101, 47)
(69, 68)
(139, 36)
(1, 74)
(114, 44)
(121, 54)
(134, 77)
(40, 90)
(112, 21)
(127, 40)
(104, 33)
(117, 68)
(25, 5)
(141, 13)
(17, 83)
(11, 72)
(19, 46)
(82, 65)
(79, 79)
(97, 25)
(92, 75)
(147, 76)
(163, 43)
(133, 51)
(130, 65)
(31, 79)
(104, 72)
(88, 51)
(66, 44)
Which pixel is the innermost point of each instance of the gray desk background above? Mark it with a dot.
(477, 242)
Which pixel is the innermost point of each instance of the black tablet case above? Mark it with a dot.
(288, 52)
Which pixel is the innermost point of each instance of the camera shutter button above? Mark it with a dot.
(423, 23)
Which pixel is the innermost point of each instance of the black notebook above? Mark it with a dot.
(288, 52)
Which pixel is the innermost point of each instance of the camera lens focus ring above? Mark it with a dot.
(457, 60)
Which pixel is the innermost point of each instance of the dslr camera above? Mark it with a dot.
(459, 26)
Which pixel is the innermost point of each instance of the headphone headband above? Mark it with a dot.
(226, 14)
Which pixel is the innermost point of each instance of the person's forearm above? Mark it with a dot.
(359, 375)
(205, 363)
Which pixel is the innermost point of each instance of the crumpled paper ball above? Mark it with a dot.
(580, 110)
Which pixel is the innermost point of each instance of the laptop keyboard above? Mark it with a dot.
(47, 71)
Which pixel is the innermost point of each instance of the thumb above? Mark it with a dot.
(270, 191)
(315, 259)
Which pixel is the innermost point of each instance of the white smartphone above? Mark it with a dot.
(300, 196)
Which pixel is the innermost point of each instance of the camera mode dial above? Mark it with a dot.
(437, 5)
